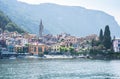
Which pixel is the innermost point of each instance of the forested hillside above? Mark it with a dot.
(7, 25)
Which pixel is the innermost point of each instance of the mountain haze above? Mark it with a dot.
(58, 18)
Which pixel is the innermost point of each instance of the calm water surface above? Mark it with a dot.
(59, 69)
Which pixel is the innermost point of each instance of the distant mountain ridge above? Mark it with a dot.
(75, 20)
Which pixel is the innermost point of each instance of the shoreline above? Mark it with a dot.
(55, 57)
(45, 57)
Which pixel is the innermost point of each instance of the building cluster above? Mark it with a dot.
(30, 43)
(36, 45)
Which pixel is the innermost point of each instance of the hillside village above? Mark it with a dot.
(22, 44)
(16, 42)
(13, 43)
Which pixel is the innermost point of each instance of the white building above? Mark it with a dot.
(55, 48)
(116, 45)
(24, 41)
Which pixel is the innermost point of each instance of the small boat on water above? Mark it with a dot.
(12, 57)
(32, 57)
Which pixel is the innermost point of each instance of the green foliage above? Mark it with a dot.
(100, 54)
(72, 51)
(69, 50)
(101, 36)
(94, 52)
(3, 21)
(7, 24)
(107, 38)
(63, 49)
(13, 27)
(104, 40)
(95, 43)
(103, 47)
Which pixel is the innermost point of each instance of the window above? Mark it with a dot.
(34, 49)
(118, 45)
(40, 49)
(118, 40)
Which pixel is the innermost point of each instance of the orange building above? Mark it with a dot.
(36, 49)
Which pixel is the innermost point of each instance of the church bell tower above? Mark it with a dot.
(41, 27)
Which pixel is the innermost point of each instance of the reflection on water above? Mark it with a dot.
(59, 69)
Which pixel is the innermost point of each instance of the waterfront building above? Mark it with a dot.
(116, 45)
(18, 49)
(24, 41)
(21, 49)
(55, 48)
(37, 48)
(10, 48)
(6, 53)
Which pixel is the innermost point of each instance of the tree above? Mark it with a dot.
(63, 49)
(101, 35)
(3, 21)
(72, 51)
(107, 38)
(7, 24)
(95, 43)
(92, 43)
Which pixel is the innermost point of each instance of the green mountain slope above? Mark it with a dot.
(7, 24)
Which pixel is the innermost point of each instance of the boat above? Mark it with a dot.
(32, 57)
(12, 57)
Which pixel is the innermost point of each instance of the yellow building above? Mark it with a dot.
(55, 48)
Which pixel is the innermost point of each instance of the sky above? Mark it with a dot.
(111, 7)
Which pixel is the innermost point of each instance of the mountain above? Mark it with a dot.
(57, 19)
(7, 24)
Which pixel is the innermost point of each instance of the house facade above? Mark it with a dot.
(116, 45)
(36, 48)
(55, 48)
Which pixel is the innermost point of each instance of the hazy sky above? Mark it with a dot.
(111, 7)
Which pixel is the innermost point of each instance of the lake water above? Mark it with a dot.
(59, 69)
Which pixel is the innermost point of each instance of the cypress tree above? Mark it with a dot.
(92, 43)
(107, 38)
(101, 36)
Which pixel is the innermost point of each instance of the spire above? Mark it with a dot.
(41, 27)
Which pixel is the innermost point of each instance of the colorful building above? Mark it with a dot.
(21, 49)
(36, 48)
(116, 45)
(55, 48)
